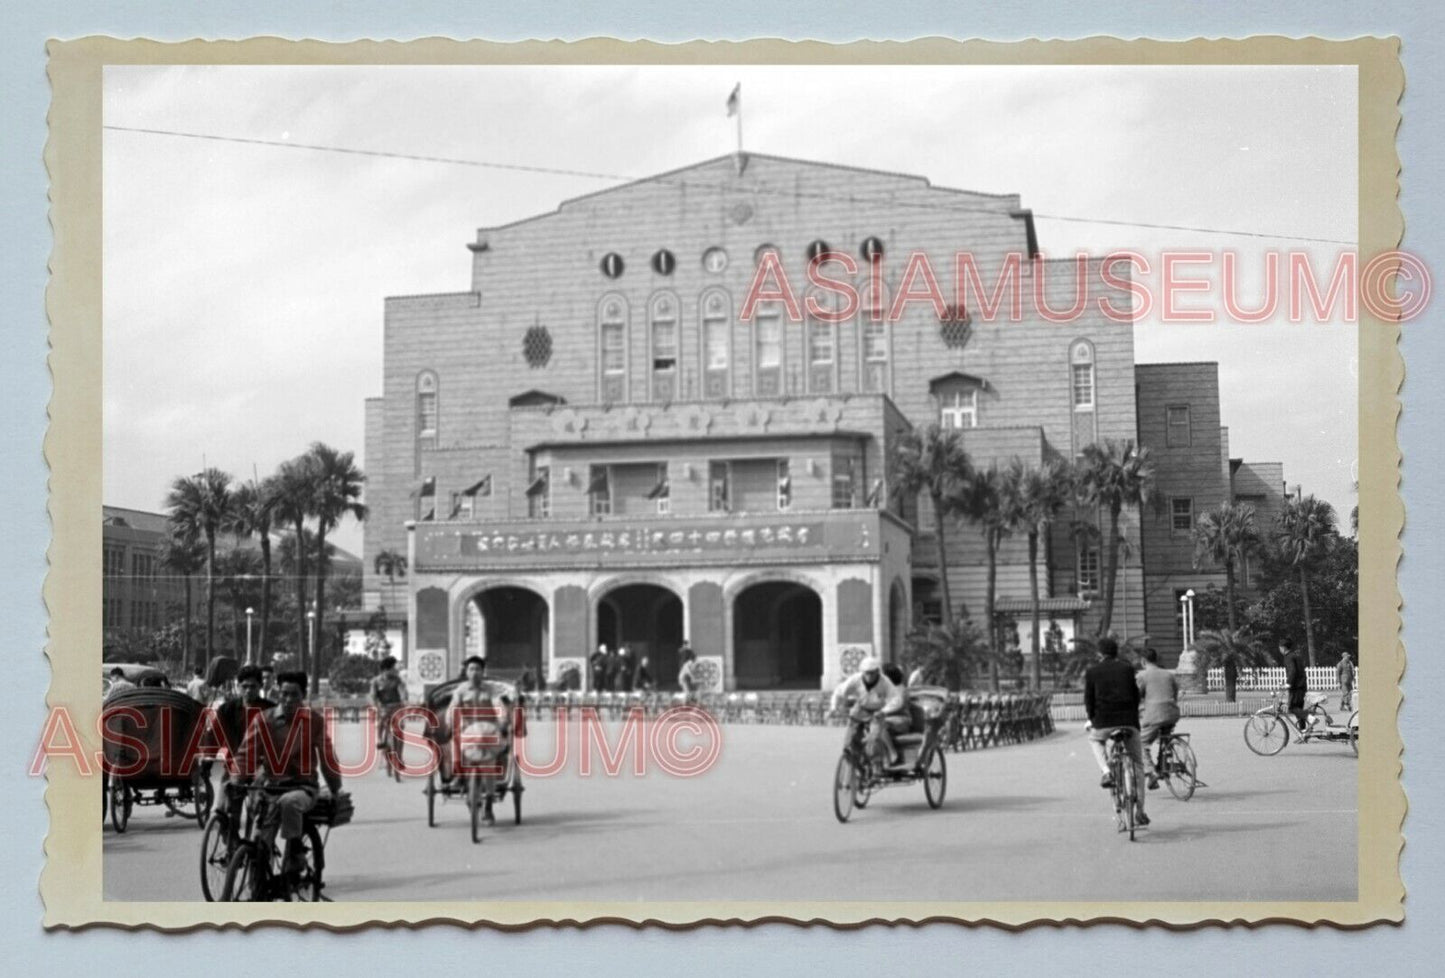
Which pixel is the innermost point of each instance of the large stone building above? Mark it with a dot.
(590, 444)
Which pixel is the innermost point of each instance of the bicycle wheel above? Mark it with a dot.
(475, 802)
(121, 800)
(215, 855)
(845, 786)
(304, 885)
(1179, 768)
(1354, 724)
(1128, 792)
(935, 779)
(431, 800)
(243, 877)
(1266, 733)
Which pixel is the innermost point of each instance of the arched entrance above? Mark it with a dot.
(509, 627)
(778, 637)
(647, 618)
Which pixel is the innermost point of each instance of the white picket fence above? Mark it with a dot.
(1319, 678)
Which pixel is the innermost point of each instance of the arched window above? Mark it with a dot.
(1081, 375)
(612, 315)
(873, 345)
(427, 415)
(821, 337)
(768, 350)
(716, 346)
(662, 315)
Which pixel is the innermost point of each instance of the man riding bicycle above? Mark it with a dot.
(283, 751)
(479, 719)
(878, 701)
(1159, 694)
(388, 693)
(1111, 700)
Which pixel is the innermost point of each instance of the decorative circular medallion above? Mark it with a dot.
(612, 264)
(537, 346)
(709, 676)
(817, 248)
(763, 250)
(851, 658)
(664, 262)
(741, 212)
(715, 260)
(431, 667)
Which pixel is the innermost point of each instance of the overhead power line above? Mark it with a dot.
(620, 178)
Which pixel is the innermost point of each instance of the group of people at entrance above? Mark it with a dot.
(619, 671)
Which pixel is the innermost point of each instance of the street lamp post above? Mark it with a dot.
(311, 637)
(250, 659)
(1189, 615)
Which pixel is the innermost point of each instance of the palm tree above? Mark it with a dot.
(947, 653)
(199, 506)
(978, 498)
(338, 495)
(184, 556)
(1032, 499)
(253, 508)
(1114, 475)
(1230, 650)
(1303, 531)
(932, 461)
(295, 489)
(393, 565)
(1225, 535)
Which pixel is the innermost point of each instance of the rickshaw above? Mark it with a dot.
(147, 733)
(479, 789)
(860, 773)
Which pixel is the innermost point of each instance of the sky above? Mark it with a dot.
(244, 283)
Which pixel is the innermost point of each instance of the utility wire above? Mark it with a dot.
(618, 178)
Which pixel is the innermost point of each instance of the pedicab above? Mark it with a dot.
(1270, 729)
(494, 772)
(148, 731)
(861, 771)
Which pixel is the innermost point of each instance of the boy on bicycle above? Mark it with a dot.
(1111, 700)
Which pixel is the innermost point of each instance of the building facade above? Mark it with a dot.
(593, 445)
(137, 594)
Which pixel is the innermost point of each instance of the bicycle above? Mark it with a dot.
(1269, 730)
(1125, 789)
(1177, 765)
(219, 842)
(257, 875)
(390, 742)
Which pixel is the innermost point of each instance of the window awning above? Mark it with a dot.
(1022, 606)
(538, 486)
(428, 487)
(485, 482)
(957, 378)
(662, 490)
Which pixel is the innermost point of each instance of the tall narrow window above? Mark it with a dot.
(875, 354)
(1177, 425)
(662, 491)
(785, 486)
(539, 493)
(1081, 375)
(427, 413)
(844, 482)
(612, 348)
(716, 346)
(1181, 514)
(822, 352)
(768, 362)
(664, 347)
(599, 491)
(719, 480)
(1089, 570)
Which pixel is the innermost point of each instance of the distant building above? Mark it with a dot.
(590, 445)
(137, 594)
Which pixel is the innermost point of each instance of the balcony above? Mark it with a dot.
(850, 535)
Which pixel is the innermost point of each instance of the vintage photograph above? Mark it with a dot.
(531, 486)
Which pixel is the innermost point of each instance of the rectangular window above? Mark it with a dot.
(1083, 387)
(875, 340)
(114, 562)
(770, 341)
(664, 345)
(539, 494)
(719, 480)
(715, 339)
(426, 413)
(820, 343)
(1177, 423)
(1181, 514)
(599, 491)
(960, 409)
(141, 566)
(661, 491)
(843, 482)
(1089, 570)
(785, 486)
(614, 349)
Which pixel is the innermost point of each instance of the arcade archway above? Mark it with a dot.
(778, 637)
(509, 628)
(647, 618)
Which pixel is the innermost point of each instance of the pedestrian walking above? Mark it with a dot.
(1345, 673)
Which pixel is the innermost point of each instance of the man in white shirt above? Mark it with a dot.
(876, 700)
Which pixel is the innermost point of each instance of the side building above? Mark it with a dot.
(137, 595)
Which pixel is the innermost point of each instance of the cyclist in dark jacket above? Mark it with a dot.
(1111, 700)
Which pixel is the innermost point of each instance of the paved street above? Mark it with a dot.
(1023, 822)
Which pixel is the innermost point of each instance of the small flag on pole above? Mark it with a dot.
(735, 100)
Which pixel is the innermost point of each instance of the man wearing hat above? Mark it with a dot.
(877, 699)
